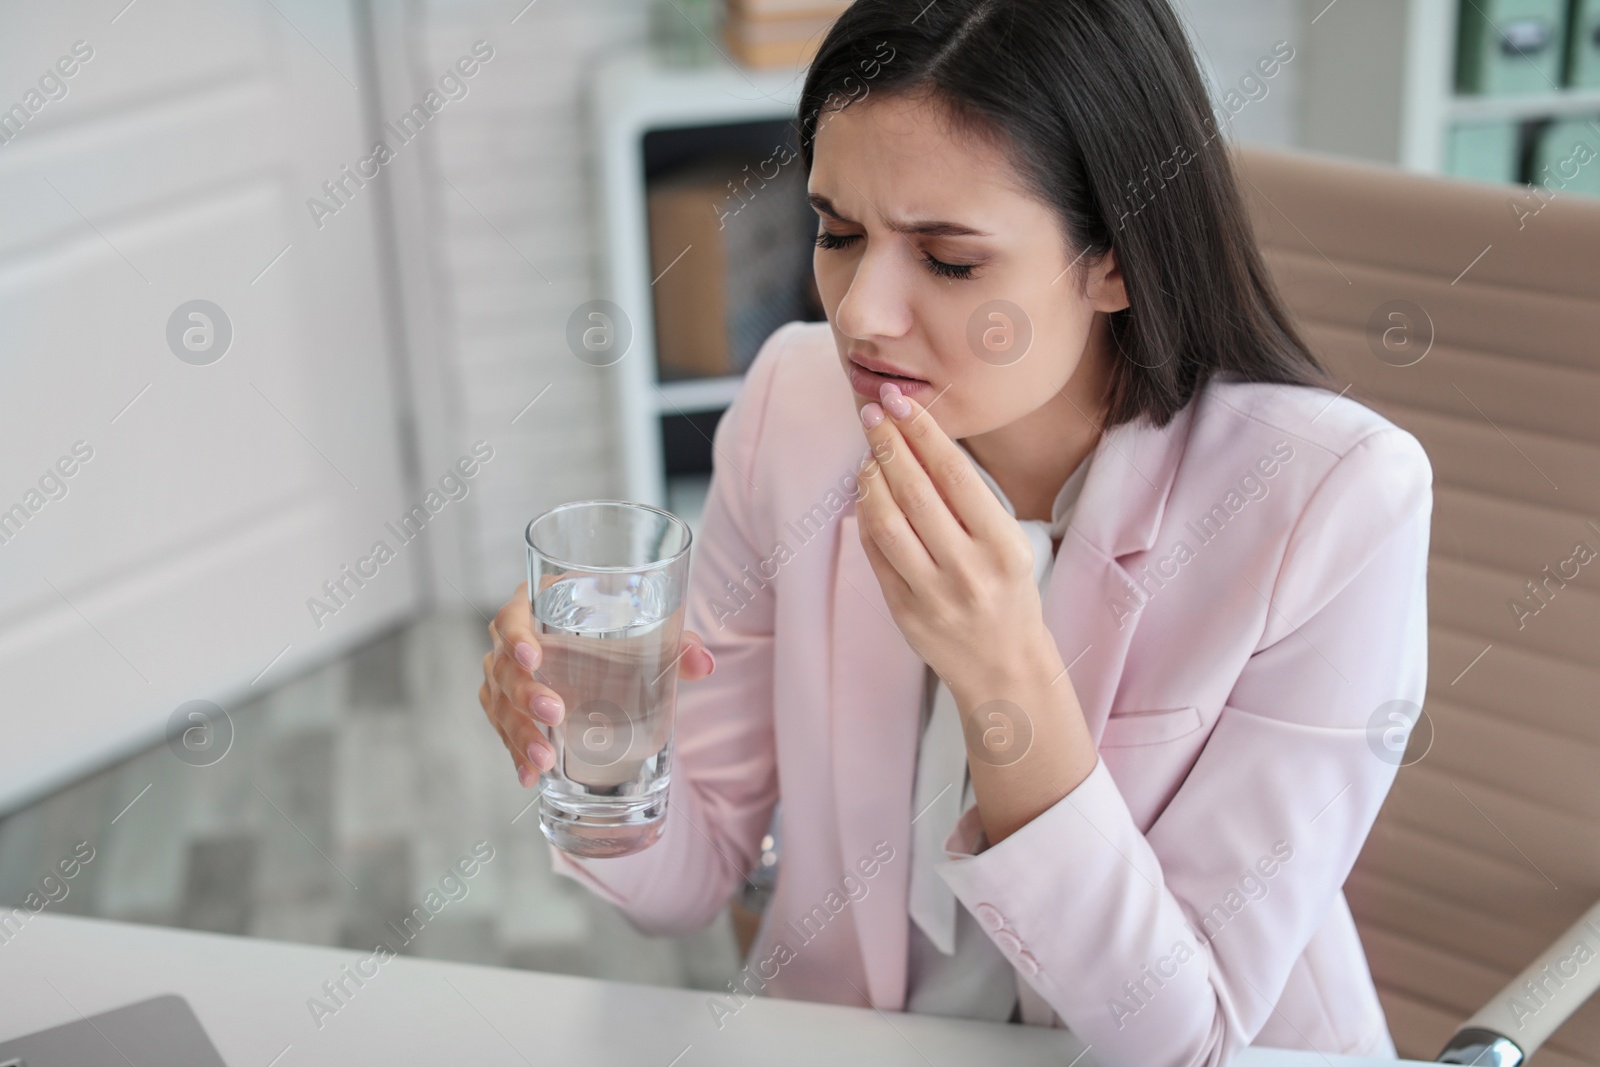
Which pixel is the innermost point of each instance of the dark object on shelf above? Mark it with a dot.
(686, 443)
(1583, 52)
(1566, 156)
(729, 258)
(1511, 46)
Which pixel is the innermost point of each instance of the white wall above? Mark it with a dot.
(1231, 36)
(515, 147)
(494, 249)
(174, 313)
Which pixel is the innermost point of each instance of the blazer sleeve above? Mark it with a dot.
(724, 770)
(1171, 948)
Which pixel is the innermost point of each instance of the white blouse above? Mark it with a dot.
(953, 968)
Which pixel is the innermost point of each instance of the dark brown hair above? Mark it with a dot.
(1103, 109)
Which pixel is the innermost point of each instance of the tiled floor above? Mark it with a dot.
(345, 798)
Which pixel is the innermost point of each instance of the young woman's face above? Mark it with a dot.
(932, 259)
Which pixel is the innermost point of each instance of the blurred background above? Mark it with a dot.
(309, 306)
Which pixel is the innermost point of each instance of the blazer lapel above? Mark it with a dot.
(876, 693)
(1092, 604)
(876, 684)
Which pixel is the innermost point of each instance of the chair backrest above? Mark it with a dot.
(1469, 314)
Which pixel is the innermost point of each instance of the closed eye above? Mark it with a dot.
(948, 270)
(835, 241)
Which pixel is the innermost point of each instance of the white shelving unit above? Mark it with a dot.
(632, 94)
(1363, 55)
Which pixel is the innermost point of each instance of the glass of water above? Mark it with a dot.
(607, 581)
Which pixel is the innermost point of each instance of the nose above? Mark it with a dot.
(876, 303)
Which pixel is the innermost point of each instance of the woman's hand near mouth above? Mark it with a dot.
(957, 573)
(951, 561)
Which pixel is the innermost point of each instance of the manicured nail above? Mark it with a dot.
(547, 708)
(524, 775)
(526, 655)
(894, 400)
(542, 756)
(871, 415)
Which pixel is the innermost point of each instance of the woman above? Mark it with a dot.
(1113, 538)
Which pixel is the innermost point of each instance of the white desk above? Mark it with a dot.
(252, 995)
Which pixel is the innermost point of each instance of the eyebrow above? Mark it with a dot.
(924, 227)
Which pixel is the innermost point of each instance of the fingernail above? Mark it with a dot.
(542, 756)
(871, 415)
(894, 400)
(547, 708)
(711, 661)
(526, 655)
(524, 775)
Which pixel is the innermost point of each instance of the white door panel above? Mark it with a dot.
(219, 497)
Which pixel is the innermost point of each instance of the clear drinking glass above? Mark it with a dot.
(607, 581)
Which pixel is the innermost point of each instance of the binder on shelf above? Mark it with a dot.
(1506, 47)
(1566, 156)
(729, 255)
(1583, 49)
(1484, 151)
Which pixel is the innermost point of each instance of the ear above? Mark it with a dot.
(1106, 289)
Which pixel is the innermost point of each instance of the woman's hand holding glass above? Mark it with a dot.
(515, 701)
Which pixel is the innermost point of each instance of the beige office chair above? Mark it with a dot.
(1469, 314)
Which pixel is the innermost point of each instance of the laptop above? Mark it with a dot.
(159, 1032)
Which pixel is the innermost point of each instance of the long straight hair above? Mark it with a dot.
(1103, 111)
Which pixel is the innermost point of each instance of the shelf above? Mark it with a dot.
(1525, 106)
(635, 92)
(1379, 83)
(689, 395)
(629, 96)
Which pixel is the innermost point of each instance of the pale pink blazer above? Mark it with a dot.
(1184, 900)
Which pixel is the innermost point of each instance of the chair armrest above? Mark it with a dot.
(1518, 1019)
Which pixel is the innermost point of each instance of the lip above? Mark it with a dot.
(868, 382)
(879, 366)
